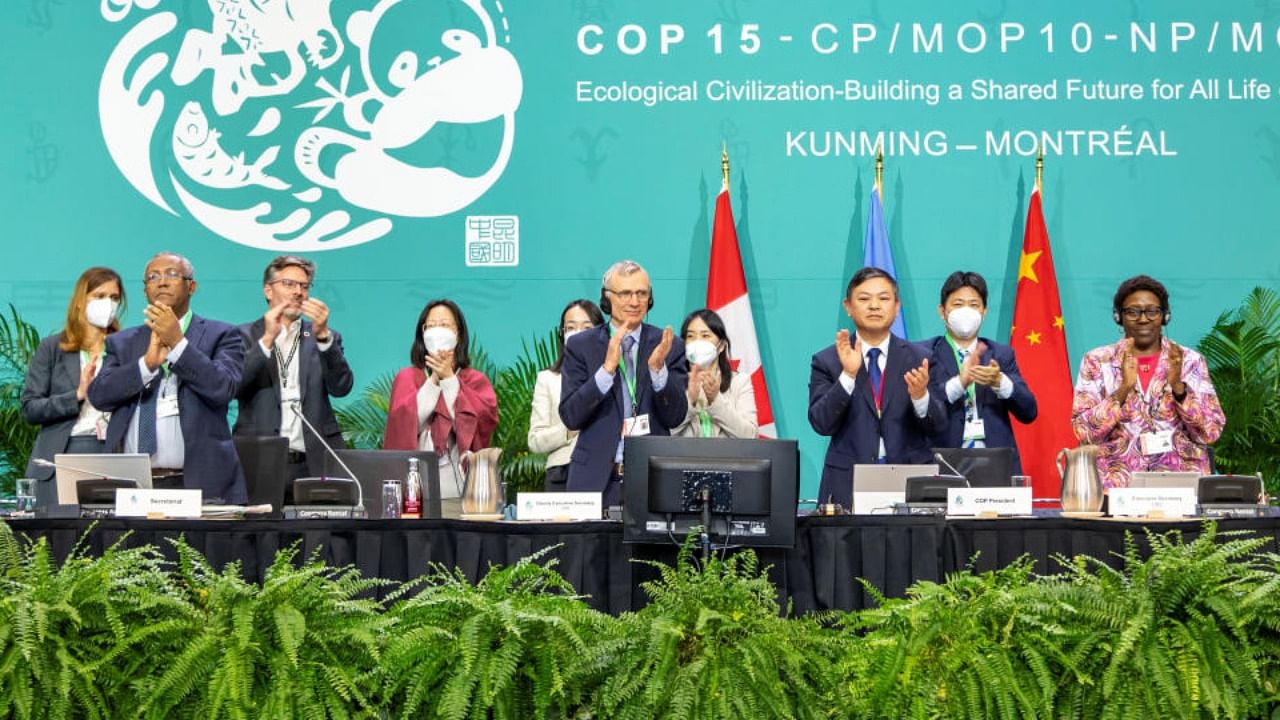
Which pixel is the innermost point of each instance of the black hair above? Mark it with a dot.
(593, 313)
(418, 353)
(1138, 283)
(963, 279)
(868, 273)
(716, 326)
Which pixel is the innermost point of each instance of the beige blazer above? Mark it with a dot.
(546, 433)
(733, 412)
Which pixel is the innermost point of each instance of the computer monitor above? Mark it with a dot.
(753, 486)
(982, 467)
(105, 472)
(371, 467)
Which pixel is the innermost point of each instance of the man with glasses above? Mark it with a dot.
(1145, 401)
(168, 383)
(624, 378)
(293, 363)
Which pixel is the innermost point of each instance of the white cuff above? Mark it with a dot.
(955, 390)
(1005, 391)
(847, 382)
(922, 405)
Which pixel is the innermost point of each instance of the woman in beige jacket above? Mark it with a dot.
(546, 433)
(722, 402)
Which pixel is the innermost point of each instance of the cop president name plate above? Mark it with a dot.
(973, 501)
(149, 502)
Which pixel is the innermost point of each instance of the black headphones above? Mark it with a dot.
(607, 307)
(1115, 316)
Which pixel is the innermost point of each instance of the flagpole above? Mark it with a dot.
(1040, 171)
(880, 171)
(724, 164)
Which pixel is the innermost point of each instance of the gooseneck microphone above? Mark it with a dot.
(943, 461)
(359, 508)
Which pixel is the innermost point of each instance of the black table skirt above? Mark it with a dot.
(820, 573)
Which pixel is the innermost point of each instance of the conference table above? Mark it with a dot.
(820, 573)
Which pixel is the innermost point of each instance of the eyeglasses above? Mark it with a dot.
(629, 295)
(155, 276)
(1150, 313)
(291, 284)
(428, 326)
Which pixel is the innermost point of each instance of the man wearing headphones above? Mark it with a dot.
(1145, 401)
(623, 379)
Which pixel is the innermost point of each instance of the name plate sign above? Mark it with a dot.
(559, 506)
(146, 502)
(973, 501)
(1148, 502)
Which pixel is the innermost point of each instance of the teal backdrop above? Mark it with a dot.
(421, 119)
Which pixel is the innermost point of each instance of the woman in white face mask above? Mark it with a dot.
(440, 403)
(65, 363)
(722, 402)
(547, 434)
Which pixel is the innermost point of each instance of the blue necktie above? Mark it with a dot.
(147, 419)
(873, 372)
(628, 361)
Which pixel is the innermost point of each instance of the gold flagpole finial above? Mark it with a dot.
(1039, 168)
(724, 163)
(880, 171)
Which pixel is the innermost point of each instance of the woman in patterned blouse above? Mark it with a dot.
(1145, 401)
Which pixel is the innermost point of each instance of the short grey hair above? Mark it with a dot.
(285, 261)
(622, 267)
(187, 268)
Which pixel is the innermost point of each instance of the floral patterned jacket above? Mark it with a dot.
(1098, 419)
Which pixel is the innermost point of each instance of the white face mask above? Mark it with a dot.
(964, 322)
(701, 353)
(438, 339)
(570, 333)
(99, 312)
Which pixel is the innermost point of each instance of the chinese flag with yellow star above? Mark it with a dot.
(1039, 339)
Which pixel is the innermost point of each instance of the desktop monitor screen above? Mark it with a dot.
(752, 486)
(982, 467)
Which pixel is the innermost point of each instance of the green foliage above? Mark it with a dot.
(513, 646)
(304, 645)
(1243, 352)
(364, 420)
(521, 468)
(713, 644)
(77, 641)
(18, 342)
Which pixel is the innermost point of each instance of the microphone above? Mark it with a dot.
(943, 461)
(359, 507)
(93, 474)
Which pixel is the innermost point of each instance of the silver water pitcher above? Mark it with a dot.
(483, 492)
(1081, 484)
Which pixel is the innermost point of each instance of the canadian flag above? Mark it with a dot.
(727, 296)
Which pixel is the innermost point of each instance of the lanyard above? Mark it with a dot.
(972, 390)
(283, 367)
(704, 422)
(627, 380)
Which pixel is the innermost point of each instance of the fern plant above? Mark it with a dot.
(1243, 353)
(364, 420)
(80, 640)
(713, 643)
(305, 644)
(513, 646)
(18, 342)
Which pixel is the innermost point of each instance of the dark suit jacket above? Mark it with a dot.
(599, 417)
(993, 411)
(49, 400)
(851, 421)
(320, 374)
(208, 374)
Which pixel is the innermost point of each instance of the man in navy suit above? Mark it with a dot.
(875, 395)
(167, 385)
(293, 364)
(983, 386)
(625, 378)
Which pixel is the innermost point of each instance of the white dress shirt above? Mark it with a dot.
(290, 390)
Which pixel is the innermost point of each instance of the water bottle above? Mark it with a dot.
(413, 491)
(390, 499)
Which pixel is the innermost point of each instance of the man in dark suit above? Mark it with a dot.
(167, 385)
(625, 378)
(291, 362)
(876, 395)
(983, 386)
